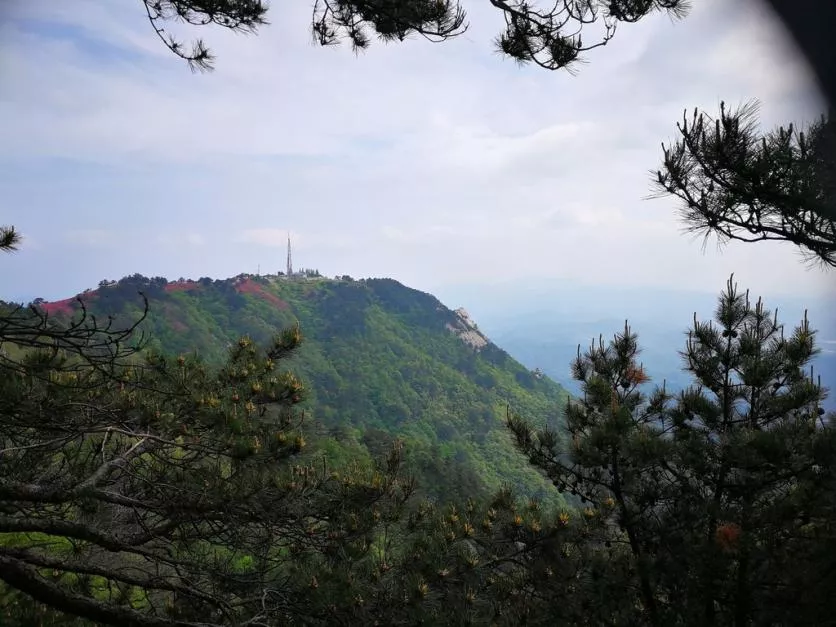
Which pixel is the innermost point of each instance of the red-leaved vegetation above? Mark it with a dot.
(65, 306)
(248, 286)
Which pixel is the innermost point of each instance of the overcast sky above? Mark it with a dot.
(435, 164)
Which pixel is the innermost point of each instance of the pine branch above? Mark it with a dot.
(235, 15)
(18, 574)
(741, 185)
(551, 38)
(9, 239)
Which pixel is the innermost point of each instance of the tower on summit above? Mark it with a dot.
(289, 258)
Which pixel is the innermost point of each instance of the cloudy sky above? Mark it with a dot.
(435, 164)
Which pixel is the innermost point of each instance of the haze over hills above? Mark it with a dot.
(541, 323)
(381, 360)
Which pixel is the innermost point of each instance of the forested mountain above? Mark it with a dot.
(380, 360)
(144, 489)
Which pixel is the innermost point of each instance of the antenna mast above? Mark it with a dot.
(289, 258)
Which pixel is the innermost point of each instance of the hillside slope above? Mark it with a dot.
(382, 361)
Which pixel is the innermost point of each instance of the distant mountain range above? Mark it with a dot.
(382, 360)
(541, 323)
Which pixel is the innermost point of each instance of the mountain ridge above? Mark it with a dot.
(383, 361)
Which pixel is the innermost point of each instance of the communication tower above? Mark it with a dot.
(289, 258)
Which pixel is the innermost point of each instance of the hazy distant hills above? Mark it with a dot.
(553, 351)
(382, 360)
(542, 323)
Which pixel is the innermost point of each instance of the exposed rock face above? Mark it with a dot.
(467, 331)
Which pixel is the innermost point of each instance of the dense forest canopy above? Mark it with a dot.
(140, 488)
(382, 360)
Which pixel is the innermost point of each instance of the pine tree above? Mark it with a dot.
(719, 500)
(138, 489)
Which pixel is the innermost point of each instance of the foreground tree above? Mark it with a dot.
(740, 184)
(720, 500)
(142, 490)
(137, 489)
(551, 37)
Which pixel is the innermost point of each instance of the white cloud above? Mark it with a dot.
(421, 235)
(181, 239)
(429, 163)
(94, 238)
(263, 237)
(484, 151)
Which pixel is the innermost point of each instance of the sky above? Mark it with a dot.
(439, 165)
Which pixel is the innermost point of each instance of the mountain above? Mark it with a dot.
(548, 321)
(382, 361)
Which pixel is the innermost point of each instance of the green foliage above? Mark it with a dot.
(162, 491)
(378, 357)
(712, 507)
(718, 502)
